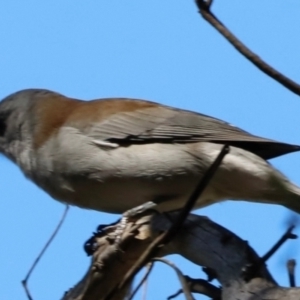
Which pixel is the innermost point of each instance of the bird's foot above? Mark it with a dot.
(131, 213)
(115, 230)
(90, 246)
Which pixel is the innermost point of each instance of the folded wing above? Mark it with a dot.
(154, 123)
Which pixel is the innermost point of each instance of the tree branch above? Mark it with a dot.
(199, 240)
(204, 9)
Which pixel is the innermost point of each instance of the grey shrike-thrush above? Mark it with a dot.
(115, 154)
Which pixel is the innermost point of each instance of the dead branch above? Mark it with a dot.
(200, 240)
(291, 264)
(169, 234)
(204, 9)
(40, 255)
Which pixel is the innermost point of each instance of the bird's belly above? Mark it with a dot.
(118, 180)
(119, 195)
(112, 180)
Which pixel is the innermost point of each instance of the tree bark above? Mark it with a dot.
(233, 262)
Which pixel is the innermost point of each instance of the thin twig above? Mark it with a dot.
(184, 212)
(179, 292)
(204, 9)
(200, 286)
(291, 264)
(286, 236)
(145, 289)
(149, 269)
(166, 236)
(184, 284)
(252, 269)
(25, 280)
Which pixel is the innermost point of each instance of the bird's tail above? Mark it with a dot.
(292, 200)
(279, 190)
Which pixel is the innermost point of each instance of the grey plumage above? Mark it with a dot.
(169, 125)
(114, 154)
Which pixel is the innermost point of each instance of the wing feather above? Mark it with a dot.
(163, 124)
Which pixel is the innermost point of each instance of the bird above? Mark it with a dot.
(115, 154)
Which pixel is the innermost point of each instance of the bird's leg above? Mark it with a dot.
(117, 228)
(139, 209)
(133, 212)
(90, 246)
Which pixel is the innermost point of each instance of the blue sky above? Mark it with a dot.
(157, 50)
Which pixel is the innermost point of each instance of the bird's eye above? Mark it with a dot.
(2, 127)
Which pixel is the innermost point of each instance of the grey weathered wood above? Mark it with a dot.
(201, 241)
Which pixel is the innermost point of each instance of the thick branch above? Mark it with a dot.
(200, 241)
